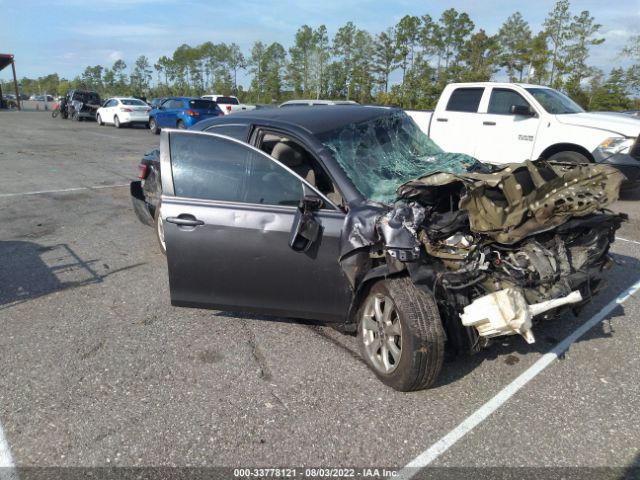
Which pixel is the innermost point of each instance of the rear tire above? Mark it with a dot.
(116, 121)
(153, 126)
(569, 157)
(181, 125)
(400, 334)
(159, 228)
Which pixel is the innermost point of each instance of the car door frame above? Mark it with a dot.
(447, 124)
(506, 127)
(162, 115)
(334, 214)
(257, 132)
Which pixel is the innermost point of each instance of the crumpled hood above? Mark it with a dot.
(523, 199)
(629, 127)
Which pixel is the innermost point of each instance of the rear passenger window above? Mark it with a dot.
(501, 101)
(465, 100)
(215, 168)
(239, 132)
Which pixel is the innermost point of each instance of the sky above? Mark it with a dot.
(65, 36)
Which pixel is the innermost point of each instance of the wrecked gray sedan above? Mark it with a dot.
(352, 215)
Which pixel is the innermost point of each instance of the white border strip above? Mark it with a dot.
(63, 190)
(627, 240)
(477, 417)
(6, 460)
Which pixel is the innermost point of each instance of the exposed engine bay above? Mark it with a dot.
(498, 250)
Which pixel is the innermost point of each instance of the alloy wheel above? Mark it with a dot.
(382, 333)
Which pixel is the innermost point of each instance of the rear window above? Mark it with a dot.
(202, 105)
(228, 100)
(465, 100)
(132, 101)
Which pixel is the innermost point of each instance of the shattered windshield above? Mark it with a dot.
(381, 154)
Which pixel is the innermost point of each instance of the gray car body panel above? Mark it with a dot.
(240, 258)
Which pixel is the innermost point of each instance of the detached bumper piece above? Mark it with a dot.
(506, 312)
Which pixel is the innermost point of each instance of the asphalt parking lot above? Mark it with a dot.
(97, 369)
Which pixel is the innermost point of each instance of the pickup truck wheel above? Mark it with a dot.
(116, 121)
(400, 334)
(569, 157)
(153, 126)
(159, 227)
(181, 125)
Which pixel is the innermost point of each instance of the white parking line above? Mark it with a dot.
(6, 461)
(477, 417)
(62, 190)
(627, 240)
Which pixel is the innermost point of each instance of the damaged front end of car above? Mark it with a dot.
(499, 248)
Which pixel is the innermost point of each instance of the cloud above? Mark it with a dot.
(121, 30)
(115, 55)
(110, 4)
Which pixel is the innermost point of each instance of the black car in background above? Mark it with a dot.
(351, 215)
(80, 104)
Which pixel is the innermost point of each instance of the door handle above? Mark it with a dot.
(490, 124)
(190, 221)
(442, 119)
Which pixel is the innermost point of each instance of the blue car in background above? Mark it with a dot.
(181, 112)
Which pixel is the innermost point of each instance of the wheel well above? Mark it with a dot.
(362, 290)
(566, 147)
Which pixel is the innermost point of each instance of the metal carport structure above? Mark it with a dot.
(7, 59)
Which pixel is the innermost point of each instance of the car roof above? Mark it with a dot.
(314, 120)
(496, 84)
(319, 102)
(184, 98)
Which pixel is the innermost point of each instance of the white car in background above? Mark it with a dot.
(229, 104)
(123, 111)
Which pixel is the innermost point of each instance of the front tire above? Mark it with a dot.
(400, 334)
(181, 125)
(569, 157)
(99, 120)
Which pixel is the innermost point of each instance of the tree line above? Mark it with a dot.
(407, 64)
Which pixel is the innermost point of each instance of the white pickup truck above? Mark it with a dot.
(506, 122)
(229, 104)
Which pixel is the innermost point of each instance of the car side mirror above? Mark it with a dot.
(305, 229)
(524, 110)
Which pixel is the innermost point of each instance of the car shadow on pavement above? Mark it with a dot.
(548, 333)
(29, 270)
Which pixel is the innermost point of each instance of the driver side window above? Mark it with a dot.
(502, 99)
(215, 168)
